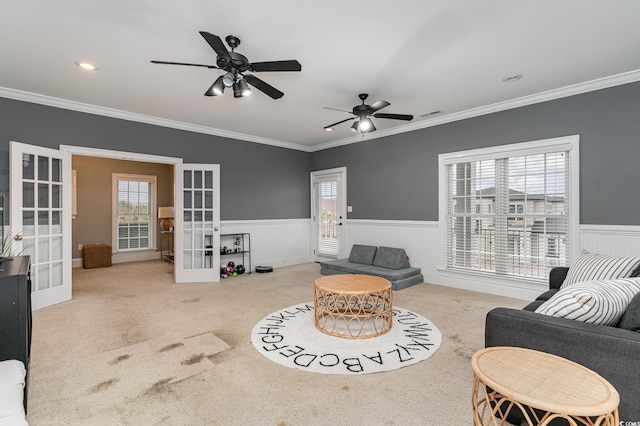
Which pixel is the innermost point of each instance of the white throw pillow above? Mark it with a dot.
(598, 302)
(591, 266)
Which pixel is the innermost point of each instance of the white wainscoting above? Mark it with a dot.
(613, 240)
(422, 240)
(276, 243)
(286, 242)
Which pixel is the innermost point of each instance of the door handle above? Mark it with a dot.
(17, 237)
(215, 229)
(340, 224)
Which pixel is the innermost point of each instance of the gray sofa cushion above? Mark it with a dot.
(547, 294)
(362, 254)
(386, 273)
(342, 265)
(631, 318)
(393, 258)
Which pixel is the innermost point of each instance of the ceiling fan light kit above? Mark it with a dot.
(240, 89)
(216, 88)
(235, 66)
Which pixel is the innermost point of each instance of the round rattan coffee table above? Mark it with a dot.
(543, 386)
(353, 306)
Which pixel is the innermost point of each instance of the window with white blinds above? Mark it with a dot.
(327, 223)
(511, 210)
(134, 207)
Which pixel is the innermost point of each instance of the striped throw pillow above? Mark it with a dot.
(591, 266)
(599, 302)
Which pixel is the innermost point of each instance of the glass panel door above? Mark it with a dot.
(197, 223)
(328, 208)
(41, 219)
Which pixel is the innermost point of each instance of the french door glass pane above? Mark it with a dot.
(43, 168)
(28, 168)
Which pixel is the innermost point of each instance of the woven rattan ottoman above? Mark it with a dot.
(353, 306)
(96, 255)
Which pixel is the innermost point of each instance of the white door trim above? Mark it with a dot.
(119, 155)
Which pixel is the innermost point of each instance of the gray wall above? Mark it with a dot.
(257, 181)
(396, 178)
(392, 178)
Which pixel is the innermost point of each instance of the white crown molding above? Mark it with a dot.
(141, 118)
(563, 92)
(576, 89)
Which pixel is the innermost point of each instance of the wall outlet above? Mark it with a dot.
(79, 246)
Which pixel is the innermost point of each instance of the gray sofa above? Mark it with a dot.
(611, 351)
(386, 262)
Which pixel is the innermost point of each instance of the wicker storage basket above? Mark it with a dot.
(96, 255)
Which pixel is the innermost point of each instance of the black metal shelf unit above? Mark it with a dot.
(236, 246)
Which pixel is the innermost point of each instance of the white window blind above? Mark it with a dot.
(134, 213)
(327, 223)
(510, 212)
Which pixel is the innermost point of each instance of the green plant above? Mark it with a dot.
(7, 247)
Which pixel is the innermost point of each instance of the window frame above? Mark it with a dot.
(564, 143)
(153, 223)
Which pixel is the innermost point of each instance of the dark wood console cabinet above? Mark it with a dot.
(15, 312)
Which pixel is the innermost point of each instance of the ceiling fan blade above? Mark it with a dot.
(336, 109)
(216, 44)
(264, 87)
(291, 65)
(184, 63)
(405, 117)
(339, 122)
(378, 105)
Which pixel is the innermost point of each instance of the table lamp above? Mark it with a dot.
(166, 215)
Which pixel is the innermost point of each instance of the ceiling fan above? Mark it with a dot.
(235, 65)
(364, 112)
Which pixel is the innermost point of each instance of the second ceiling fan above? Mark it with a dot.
(364, 112)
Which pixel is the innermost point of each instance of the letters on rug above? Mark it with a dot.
(290, 338)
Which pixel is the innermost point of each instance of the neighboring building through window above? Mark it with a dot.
(510, 210)
(134, 206)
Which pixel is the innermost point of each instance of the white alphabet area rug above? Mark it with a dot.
(289, 337)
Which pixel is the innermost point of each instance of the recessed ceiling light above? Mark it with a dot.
(86, 66)
(512, 78)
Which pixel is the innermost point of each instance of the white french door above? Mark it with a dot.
(328, 207)
(40, 185)
(197, 223)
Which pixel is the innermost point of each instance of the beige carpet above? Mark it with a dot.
(132, 348)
